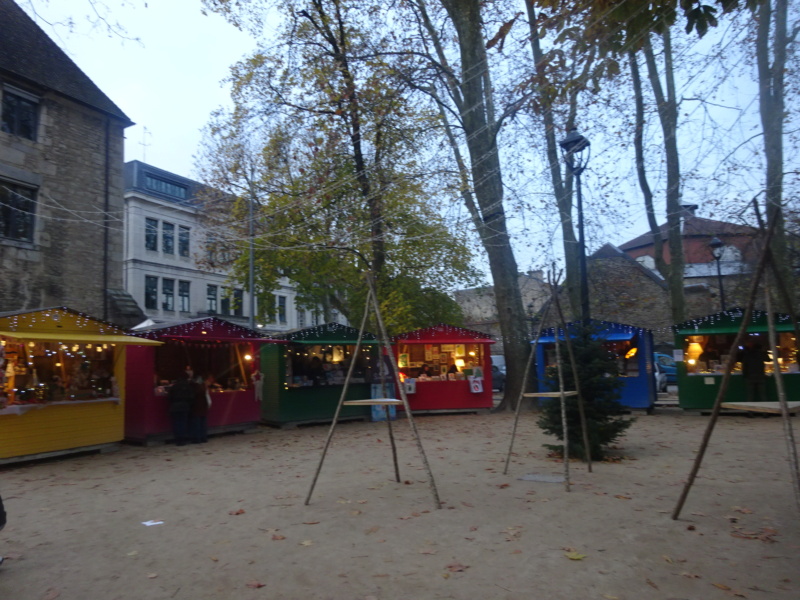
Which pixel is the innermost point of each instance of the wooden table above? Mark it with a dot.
(773, 408)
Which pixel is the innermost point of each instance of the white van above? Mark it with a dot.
(499, 361)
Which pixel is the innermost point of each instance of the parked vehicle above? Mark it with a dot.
(498, 360)
(667, 364)
(661, 378)
(498, 379)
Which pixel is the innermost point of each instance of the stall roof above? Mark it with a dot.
(64, 324)
(444, 334)
(207, 328)
(606, 330)
(329, 333)
(729, 321)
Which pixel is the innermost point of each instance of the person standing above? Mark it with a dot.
(198, 415)
(181, 397)
(2, 521)
(753, 357)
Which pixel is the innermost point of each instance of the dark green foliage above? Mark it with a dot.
(600, 387)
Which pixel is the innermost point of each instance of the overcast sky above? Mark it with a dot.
(168, 83)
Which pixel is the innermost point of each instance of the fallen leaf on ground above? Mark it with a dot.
(721, 586)
(651, 584)
(456, 567)
(372, 529)
(621, 497)
(427, 551)
(310, 522)
(236, 512)
(255, 584)
(152, 575)
(306, 543)
(610, 597)
(51, 594)
(277, 536)
(575, 555)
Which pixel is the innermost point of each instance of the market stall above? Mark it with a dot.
(445, 368)
(304, 377)
(702, 349)
(62, 382)
(211, 346)
(631, 346)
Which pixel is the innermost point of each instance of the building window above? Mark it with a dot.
(211, 299)
(151, 234)
(17, 211)
(183, 296)
(167, 238)
(150, 292)
(301, 319)
(238, 303)
(183, 240)
(165, 187)
(168, 293)
(282, 310)
(315, 319)
(20, 113)
(225, 302)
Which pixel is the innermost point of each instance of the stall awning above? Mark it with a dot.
(94, 338)
(334, 342)
(611, 336)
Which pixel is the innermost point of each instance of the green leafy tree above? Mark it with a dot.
(324, 140)
(600, 388)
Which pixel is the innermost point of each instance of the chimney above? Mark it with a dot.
(687, 212)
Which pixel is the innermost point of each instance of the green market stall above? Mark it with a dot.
(303, 378)
(702, 347)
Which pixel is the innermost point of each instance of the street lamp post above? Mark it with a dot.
(573, 147)
(716, 246)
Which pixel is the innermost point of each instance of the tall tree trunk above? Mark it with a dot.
(668, 116)
(771, 106)
(562, 190)
(487, 183)
(644, 185)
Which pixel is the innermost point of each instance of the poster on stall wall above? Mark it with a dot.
(476, 385)
(428, 353)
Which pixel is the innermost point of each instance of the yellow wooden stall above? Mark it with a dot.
(62, 383)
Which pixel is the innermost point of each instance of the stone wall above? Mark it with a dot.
(75, 163)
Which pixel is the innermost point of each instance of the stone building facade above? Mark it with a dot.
(61, 159)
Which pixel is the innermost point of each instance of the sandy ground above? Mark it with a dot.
(235, 524)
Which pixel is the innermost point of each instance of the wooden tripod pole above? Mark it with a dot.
(525, 382)
(776, 373)
(563, 413)
(341, 400)
(723, 387)
(581, 412)
(403, 396)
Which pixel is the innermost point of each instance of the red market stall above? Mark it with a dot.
(445, 368)
(210, 346)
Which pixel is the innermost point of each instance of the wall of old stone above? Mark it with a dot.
(77, 161)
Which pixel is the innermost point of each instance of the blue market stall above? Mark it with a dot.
(631, 346)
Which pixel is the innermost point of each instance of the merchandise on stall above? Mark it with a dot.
(445, 367)
(62, 382)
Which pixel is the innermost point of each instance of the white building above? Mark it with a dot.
(165, 252)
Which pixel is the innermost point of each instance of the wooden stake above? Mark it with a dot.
(776, 373)
(563, 400)
(341, 400)
(581, 412)
(525, 382)
(402, 389)
(723, 387)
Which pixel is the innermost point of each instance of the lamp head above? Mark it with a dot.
(574, 142)
(716, 245)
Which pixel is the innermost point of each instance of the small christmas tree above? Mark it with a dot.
(600, 387)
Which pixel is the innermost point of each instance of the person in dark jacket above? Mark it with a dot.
(198, 414)
(753, 357)
(181, 398)
(2, 521)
